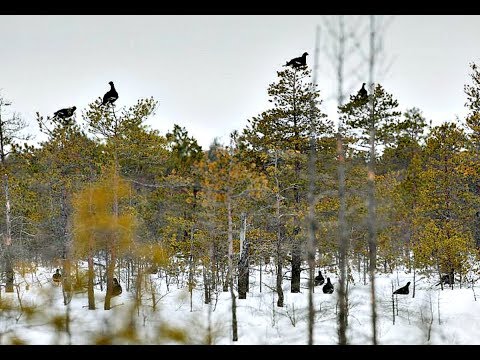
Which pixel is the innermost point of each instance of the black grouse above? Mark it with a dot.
(117, 288)
(57, 277)
(65, 113)
(328, 287)
(447, 279)
(403, 290)
(298, 61)
(362, 93)
(319, 279)
(110, 96)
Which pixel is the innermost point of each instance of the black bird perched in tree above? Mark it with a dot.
(362, 93)
(328, 287)
(117, 288)
(298, 61)
(65, 113)
(403, 290)
(319, 279)
(110, 96)
(57, 277)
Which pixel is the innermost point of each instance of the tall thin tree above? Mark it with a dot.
(10, 129)
(312, 241)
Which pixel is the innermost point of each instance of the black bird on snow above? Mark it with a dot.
(298, 61)
(117, 288)
(64, 113)
(447, 279)
(319, 279)
(403, 290)
(57, 277)
(362, 93)
(110, 96)
(328, 287)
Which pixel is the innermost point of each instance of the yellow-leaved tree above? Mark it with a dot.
(103, 219)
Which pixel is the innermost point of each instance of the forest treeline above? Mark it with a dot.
(109, 190)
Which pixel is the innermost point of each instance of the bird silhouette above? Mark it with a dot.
(403, 290)
(328, 287)
(319, 279)
(57, 277)
(64, 113)
(362, 93)
(152, 269)
(298, 61)
(447, 279)
(117, 288)
(111, 95)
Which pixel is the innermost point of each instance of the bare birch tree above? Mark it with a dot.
(10, 128)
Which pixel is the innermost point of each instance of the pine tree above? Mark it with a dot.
(473, 122)
(279, 139)
(401, 163)
(68, 159)
(372, 120)
(445, 206)
(116, 131)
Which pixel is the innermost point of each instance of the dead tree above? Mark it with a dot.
(340, 50)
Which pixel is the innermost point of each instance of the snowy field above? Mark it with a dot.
(432, 317)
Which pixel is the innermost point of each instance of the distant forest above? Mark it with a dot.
(382, 190)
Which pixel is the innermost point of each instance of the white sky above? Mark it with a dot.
(211, 73)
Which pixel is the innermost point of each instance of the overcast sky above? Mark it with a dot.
(211, 73)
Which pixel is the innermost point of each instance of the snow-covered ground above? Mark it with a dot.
(432, 317)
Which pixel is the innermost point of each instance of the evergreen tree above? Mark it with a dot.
(117, 132)
(279, 138)
(445, 205)
(473, 122)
